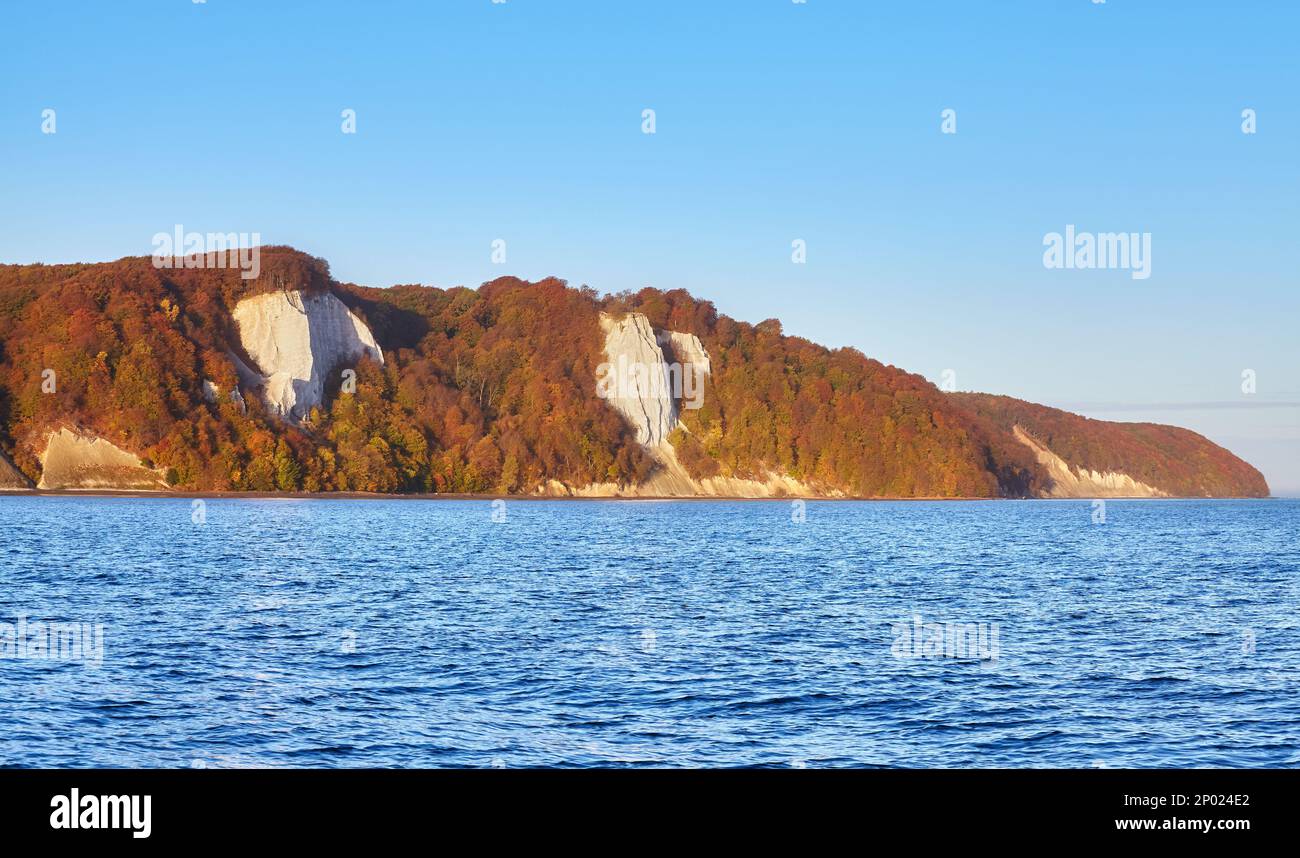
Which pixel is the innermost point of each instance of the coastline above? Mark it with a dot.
(376, 496)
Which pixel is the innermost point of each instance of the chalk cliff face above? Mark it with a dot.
(296, 340)
(685, 349)
(650, 375)
(72, 460)
(1065, 481)
(1082, 457)
(640, 387)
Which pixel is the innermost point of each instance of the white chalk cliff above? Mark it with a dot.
(296, 340)
(685, 349)
(648, 373)
(1074, 482)
(76, 460)
(641, 389)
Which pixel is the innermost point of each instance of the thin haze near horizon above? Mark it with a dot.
(775, 122)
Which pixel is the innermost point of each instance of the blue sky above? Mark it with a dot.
(775, 121)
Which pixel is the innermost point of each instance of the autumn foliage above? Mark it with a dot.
(493, 390)
(1176, 461)
(833, 418)
(486, 390)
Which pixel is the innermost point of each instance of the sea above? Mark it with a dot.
(232, 633)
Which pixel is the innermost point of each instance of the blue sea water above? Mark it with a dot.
(322, 633)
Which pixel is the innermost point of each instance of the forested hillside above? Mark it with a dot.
(1177, 461)
(832, 417)
(487, 390)
(493, 390)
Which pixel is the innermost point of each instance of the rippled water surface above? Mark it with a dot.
(425, 633)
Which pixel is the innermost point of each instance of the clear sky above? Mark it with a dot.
(774, 121)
